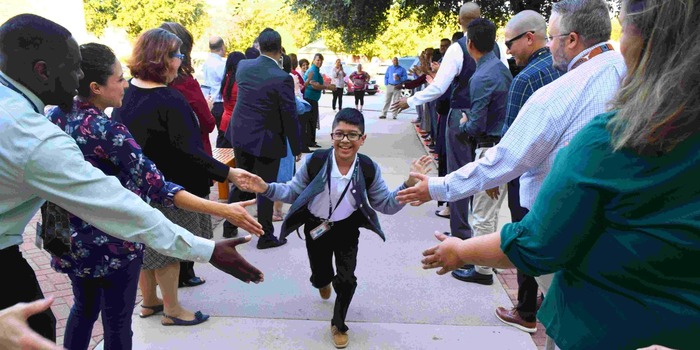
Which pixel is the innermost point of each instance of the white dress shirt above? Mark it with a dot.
(450, 67)
(40, 161)
(214, 68)
(545, 124)
(319, 205)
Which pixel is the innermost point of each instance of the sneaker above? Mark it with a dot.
(325, 292)
(512, 318)
(340, 339)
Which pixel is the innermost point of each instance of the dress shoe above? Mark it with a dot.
(230, 231)
(306, 150)
(471, 275)
(382, 117)
(265, 243)
(315, 145)
(512, 318)
(340, 339)
(325, 292)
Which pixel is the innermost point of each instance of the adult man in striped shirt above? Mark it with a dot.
(526, 42)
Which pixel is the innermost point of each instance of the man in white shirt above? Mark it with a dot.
(39, 161)
(578, 35)
(213, 69)
(457, 67)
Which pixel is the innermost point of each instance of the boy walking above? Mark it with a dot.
(334, 193)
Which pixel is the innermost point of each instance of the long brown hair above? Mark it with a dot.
(658, 102)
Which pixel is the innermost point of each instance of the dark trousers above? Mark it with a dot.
(114, 296)
(527, 285)
(308, 122)
(338, 96)
(23, 288)
(217, 111)
(341, 241)
(459, 151)
(359, 97)
(267, 169)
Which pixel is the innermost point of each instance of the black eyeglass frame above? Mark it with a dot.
(359, 136)
(510, 42)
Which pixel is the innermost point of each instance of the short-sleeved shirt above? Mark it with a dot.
(311, 93)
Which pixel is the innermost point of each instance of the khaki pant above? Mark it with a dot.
(392, 95)
(484, 214)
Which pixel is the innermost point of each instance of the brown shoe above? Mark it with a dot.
(325, 292)
(512, 318)
(340, 339)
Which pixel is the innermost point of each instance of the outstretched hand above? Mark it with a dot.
(237, 214)
(246, 181)
(419, 166)
(227, 259)
(399, 105)
(417, 194)
(444, 255)
(14, 331)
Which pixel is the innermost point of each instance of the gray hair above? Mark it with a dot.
(590, 19)
(658, 102)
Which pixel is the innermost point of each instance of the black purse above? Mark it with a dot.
(54, 229)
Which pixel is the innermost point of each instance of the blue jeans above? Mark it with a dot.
(114, 295)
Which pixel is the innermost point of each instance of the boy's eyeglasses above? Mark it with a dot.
(338, 136)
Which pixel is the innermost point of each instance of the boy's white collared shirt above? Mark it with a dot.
(319, 205)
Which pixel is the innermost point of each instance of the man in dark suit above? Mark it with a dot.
(263, 120)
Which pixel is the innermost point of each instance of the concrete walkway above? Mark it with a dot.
(397, 304)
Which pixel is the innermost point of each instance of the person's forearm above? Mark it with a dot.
(484, 251)
(190, 202)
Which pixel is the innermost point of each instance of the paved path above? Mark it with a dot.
(397, 304)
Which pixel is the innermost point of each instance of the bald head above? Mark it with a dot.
(525, 21)
(216, 45)
(467, 13)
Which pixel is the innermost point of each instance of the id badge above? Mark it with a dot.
(320, 230)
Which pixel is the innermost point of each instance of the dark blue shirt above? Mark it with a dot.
(488, 89)
(538, 73)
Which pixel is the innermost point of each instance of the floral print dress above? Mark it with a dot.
(108, 146)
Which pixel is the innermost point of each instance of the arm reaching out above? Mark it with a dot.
(14, 331)
(417, 194)
(418, 166)
(227, 259)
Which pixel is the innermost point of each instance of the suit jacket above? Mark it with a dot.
(265, 112)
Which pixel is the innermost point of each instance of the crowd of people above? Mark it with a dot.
(596, 151)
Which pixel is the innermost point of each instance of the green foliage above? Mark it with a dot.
(359, 23)
(136, 16)
(245, 19)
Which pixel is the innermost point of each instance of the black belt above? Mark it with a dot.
(487, 141)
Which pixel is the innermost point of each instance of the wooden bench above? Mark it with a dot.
(224, 155)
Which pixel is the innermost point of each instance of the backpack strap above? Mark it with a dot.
(368, 169)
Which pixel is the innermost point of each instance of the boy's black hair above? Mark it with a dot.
(350, 116)
(482, 33)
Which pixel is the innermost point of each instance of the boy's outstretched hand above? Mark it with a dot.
(419, 166)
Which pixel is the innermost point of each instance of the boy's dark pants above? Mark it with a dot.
(341, 240)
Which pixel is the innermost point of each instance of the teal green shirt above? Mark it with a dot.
(311, 93)
(621, 232)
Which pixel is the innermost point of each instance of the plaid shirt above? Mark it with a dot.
(538, 73)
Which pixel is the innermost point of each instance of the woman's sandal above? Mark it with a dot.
(199, 317)
(156, 309)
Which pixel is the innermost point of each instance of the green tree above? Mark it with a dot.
(360, 22)
(247, 18)
(135, 16)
